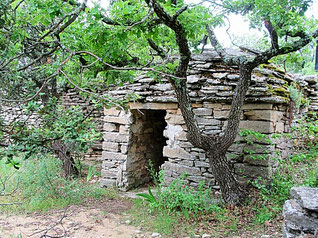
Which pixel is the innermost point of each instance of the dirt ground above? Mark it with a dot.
(98, 220)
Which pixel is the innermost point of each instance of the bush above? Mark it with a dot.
(179, 196)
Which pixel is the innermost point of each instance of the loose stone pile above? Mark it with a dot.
(301, 213)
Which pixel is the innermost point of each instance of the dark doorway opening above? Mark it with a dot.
(147, 144)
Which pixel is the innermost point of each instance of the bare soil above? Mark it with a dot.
(96, 219)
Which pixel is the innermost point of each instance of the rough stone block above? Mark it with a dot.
(258, 106)
(182, 135)
(201, 164)
(109, 173)
(114, 156)
(208, 121)
(175, 119)
(215, 106)
(115, 137)
(111, 111)
(181, 169)
(118, 120)
(123, 130)
(279, 127)
(258, 126)
(306, 197)
(197, 105)
(264, 115)
(189, 163)
(153, 106)
(109, 127)
(236, 147)
(110, 146)
(202, 111)
(221, 114)
(250, 170)
(176, 153)
(297, 219)
(107, 183)
(258, 148)
(124, 149)
(106, 164)
(256, 159)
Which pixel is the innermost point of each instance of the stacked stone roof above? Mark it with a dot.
(209, 79)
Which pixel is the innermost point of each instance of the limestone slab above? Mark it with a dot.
(110, 146)
(153, 106)
(114, 156)
(298, 220)
(306, 197)
(115, 137)
(118, 120)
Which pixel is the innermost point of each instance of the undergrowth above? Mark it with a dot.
(39, 185)
(188, 208)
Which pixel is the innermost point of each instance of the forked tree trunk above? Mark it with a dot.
(214, 146)
(232, 192)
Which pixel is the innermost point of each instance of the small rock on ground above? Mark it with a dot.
(155, 234)
(206, 236)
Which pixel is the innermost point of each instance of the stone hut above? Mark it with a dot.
(152, 128)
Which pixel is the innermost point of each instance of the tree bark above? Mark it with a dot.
(231, 190)
(63, 153)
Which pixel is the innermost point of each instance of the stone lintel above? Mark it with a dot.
(153, 106)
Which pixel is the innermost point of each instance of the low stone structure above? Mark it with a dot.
(301, 213)
(153, 128)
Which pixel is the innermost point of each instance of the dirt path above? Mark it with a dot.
(99, 220)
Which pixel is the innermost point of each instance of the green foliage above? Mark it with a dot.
(91, 172)
(179, 196)
(149, 197)
(40, 185)
(251, 136)
(299, 169)
(66, 125)
(297, 97)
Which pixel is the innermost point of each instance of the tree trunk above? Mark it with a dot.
(63, 153)
(70, 168)
(232, 191)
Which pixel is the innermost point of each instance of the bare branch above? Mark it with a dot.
(130, 68)
(272, 32)
(88, 92)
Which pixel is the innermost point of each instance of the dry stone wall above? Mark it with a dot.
(211, 85)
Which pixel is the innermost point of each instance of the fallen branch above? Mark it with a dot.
(47, 230)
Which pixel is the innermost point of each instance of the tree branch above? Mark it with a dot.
(156, 48)
(272, 32)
